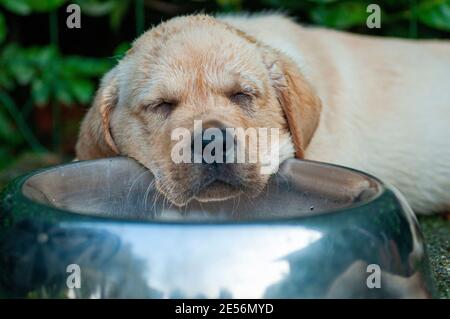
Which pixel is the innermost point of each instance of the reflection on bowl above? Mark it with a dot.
(317, 231)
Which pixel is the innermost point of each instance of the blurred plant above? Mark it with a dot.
(25, 7)
(433, 13)
(49, 78)
(347, 14)
(116, 9)
(230, 5)
(50, 75)
(39, 77)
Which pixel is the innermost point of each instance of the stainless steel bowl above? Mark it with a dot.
(317, 231)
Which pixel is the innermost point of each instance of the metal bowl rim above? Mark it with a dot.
(17, 186)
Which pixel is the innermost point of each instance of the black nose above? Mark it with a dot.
(212, 146)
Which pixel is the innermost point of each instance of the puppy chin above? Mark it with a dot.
(209, 194)
(221, 189)
(214, 192)
(217, 191)
(179, 200)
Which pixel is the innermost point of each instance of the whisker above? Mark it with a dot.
(134, 183)
(149, 187)
(232, 210)
(238, 202)
(203, 210)
(155, 201)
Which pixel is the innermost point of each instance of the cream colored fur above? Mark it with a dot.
(376, 104)
(385, 104)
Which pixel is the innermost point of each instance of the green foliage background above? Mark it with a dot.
(46, 68)
(46, 76)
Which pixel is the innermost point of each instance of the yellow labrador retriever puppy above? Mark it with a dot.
(376, 104)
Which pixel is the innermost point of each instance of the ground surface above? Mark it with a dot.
(436, 229)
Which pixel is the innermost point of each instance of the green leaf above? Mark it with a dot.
(45, 6)
(86, 67)
(122, 49)
(10, 51)
(230, 5)
(8, 132)
(6, 81)
(3, 28)
(6, 157)
(25, 7)
(21, 7)
(22, 71)
(117, 13)
(82, 90)
(342, 15)
(43, 57)
(62, 93)
(435, 14)
(96, 7)
(40, 92)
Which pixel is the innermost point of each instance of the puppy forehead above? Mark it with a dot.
(191, 60)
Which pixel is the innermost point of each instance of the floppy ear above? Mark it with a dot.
(300, 104)
(95, 139)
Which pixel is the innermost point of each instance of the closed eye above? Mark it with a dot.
(241, 98)
(163, 107)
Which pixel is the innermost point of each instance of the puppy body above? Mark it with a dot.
(385, 104)
(379, 105)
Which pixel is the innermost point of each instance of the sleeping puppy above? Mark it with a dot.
(375, 104)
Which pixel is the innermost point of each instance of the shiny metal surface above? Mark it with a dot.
(312, 234)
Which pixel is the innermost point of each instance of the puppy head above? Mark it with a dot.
(197, 69)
